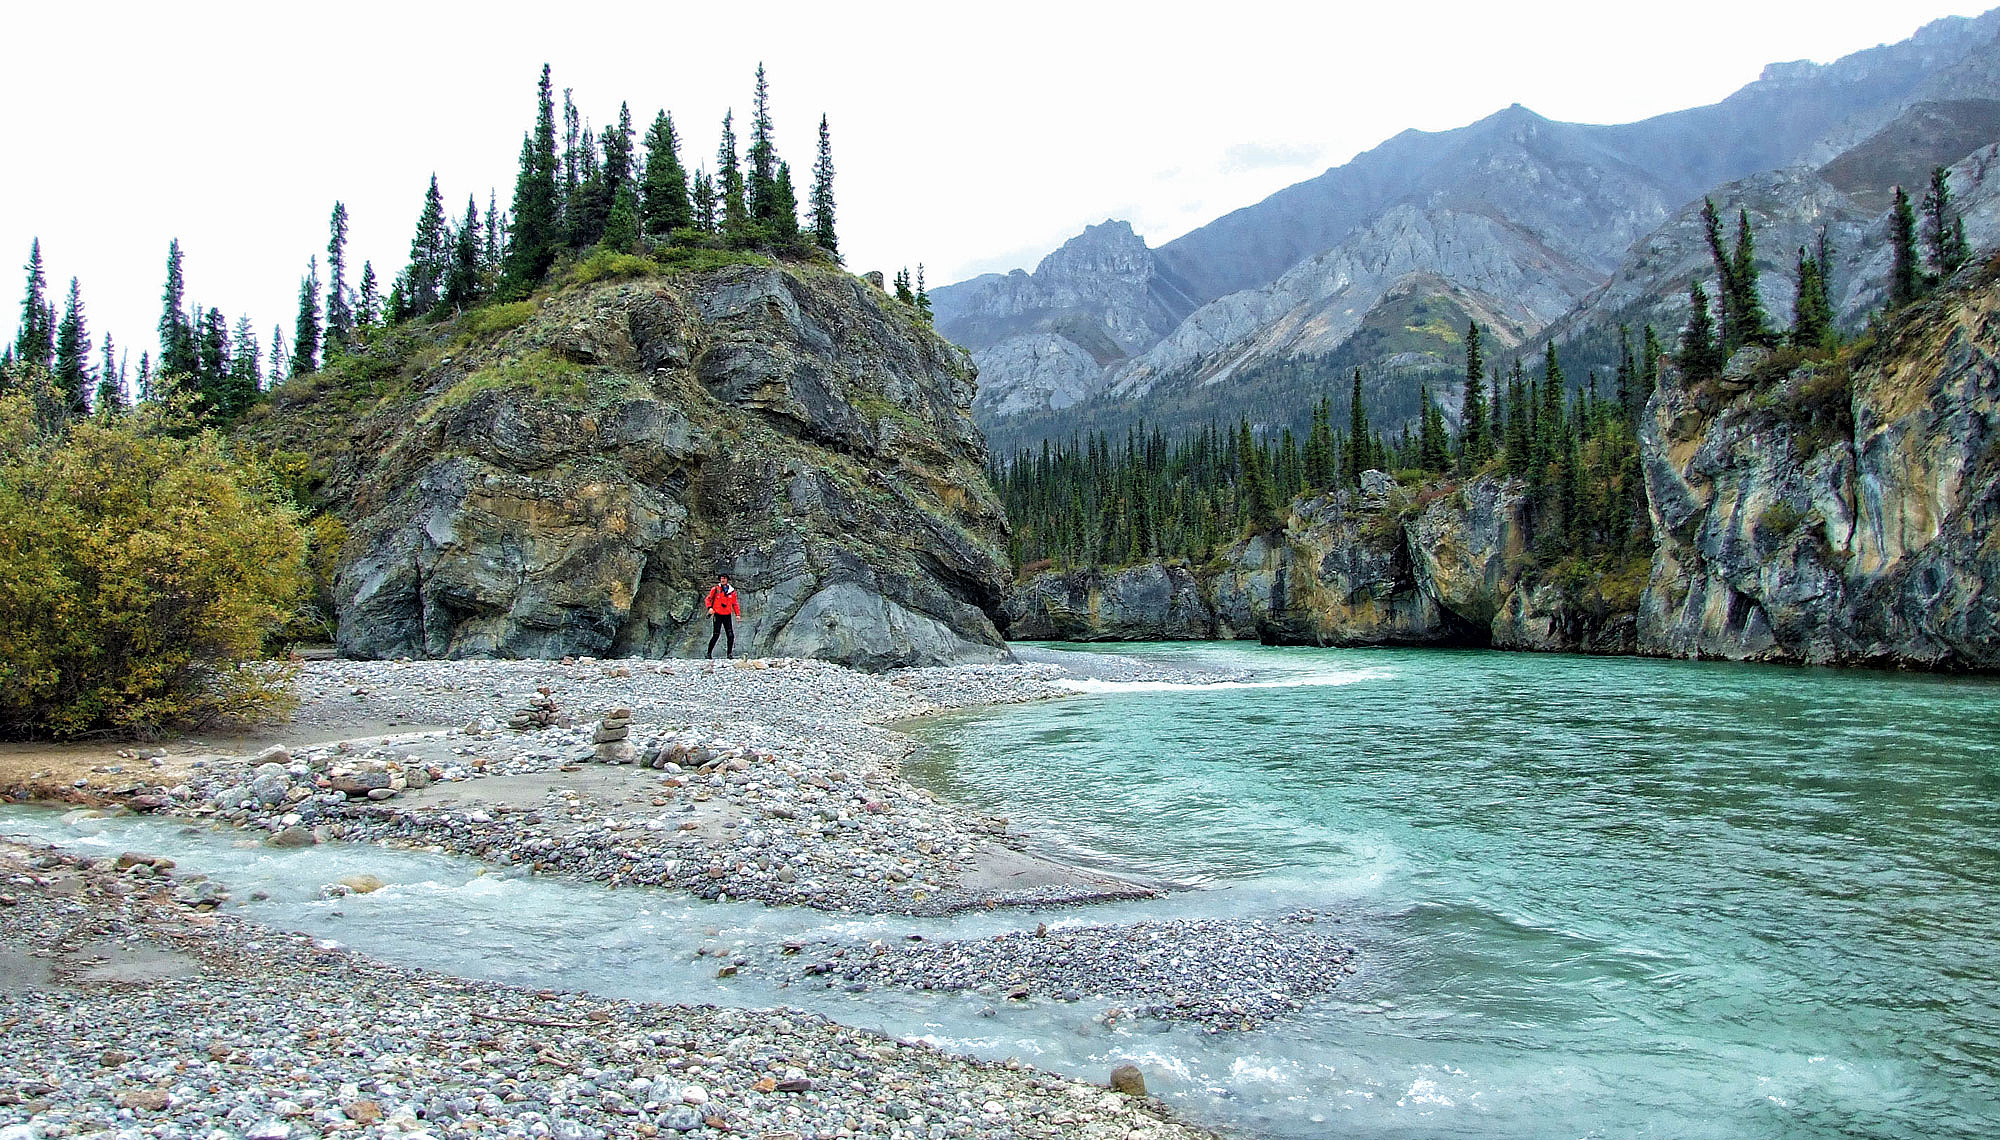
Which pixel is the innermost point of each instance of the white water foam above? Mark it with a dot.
(1327, 679)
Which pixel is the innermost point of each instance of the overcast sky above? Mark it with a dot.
(968, 138)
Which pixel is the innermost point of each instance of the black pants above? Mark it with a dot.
(723, 624)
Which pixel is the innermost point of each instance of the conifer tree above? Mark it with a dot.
(176, 336)
(621, 228)
(35, 344)
(902, 287)
(110, 382)
(1519, 437)
(1319, 452)
(246, 366)
(339, 314)
(1746, 307)
(729, 185)
(1432, 451)
(305, 335)
(1701, 356)
(280, 358)
(72, 355)
(1472, 405)
(922, 298)
(368, 307)
(1711, 225)
(461, 275)
(1812, 316)
(783, 226)
(822, 195)
(762, 157)
(490, 251)
(212, 355)
(572, 157)
(1905, 278)
(143, 382)
(531, 246)
(663, 203)
(1549, 426)
(702, 197)
(1944, 229)
(1359, 458)
(430, 258)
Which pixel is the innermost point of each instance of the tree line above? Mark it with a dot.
(1093, 502)
(575, 193)
(1923, 252)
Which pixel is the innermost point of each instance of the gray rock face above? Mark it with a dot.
(793, 429)
(1802, 520)
(1149, 602)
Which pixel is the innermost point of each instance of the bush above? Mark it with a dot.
(139, 572)
(607, 264)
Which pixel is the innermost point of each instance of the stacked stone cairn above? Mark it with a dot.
(541, 711)
(610, 737)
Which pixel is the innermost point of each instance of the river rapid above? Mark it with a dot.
(1592, 897)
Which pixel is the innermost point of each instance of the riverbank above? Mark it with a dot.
(129, 1007)
(775, 780)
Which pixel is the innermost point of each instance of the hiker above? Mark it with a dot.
(724, 604)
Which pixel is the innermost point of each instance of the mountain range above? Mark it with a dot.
(1537, 229)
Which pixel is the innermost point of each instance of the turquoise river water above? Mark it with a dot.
(1593, 897)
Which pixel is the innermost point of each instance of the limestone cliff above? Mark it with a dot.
(572, 484)
(1834, 516)
(1842, 513)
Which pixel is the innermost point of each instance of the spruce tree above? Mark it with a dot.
(305, 335)
(1700, 356)
(762, 157)
(1650, 352)
(1472, 405)
(1944, 229)
(1905, 279)
(704, 202)
(280, 358)
(572, 165)
(35, 344)
(1549, 427)
(430, 256)
(663, 201)
(1432, 450)
(461, 275)
(922, 298)
(110, 382)
(531, 245)
(729, 185)
(822, 195)
(1359, 458)
(143, 383)
(1319, 453)
(1746, 307)
(246, 367)
(783, 226)
(621, 228)
(176, 336)
(212, 355)
(1711, 226)
(1812, 318)
(72, 355)
(339, 314)
(368, 307)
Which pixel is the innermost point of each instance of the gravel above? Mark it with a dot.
(129, 1012)
(774, 780)
(1222, 974)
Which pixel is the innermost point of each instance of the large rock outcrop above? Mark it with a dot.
(1826, 519)
(575, 485)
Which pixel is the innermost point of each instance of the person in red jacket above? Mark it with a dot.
(724, 603)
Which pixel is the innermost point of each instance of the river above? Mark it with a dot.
(1593, 897)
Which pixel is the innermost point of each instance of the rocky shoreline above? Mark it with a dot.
(127, 1012)
(774, 780)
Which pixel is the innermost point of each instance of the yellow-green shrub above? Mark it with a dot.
(139, 572)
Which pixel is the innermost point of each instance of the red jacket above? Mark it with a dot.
(724, 601)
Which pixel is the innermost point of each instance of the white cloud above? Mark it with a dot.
(960, 133)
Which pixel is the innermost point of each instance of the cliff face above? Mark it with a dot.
(574, 485)
(1833, 514)
(1829, 519)
(1378, 565)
